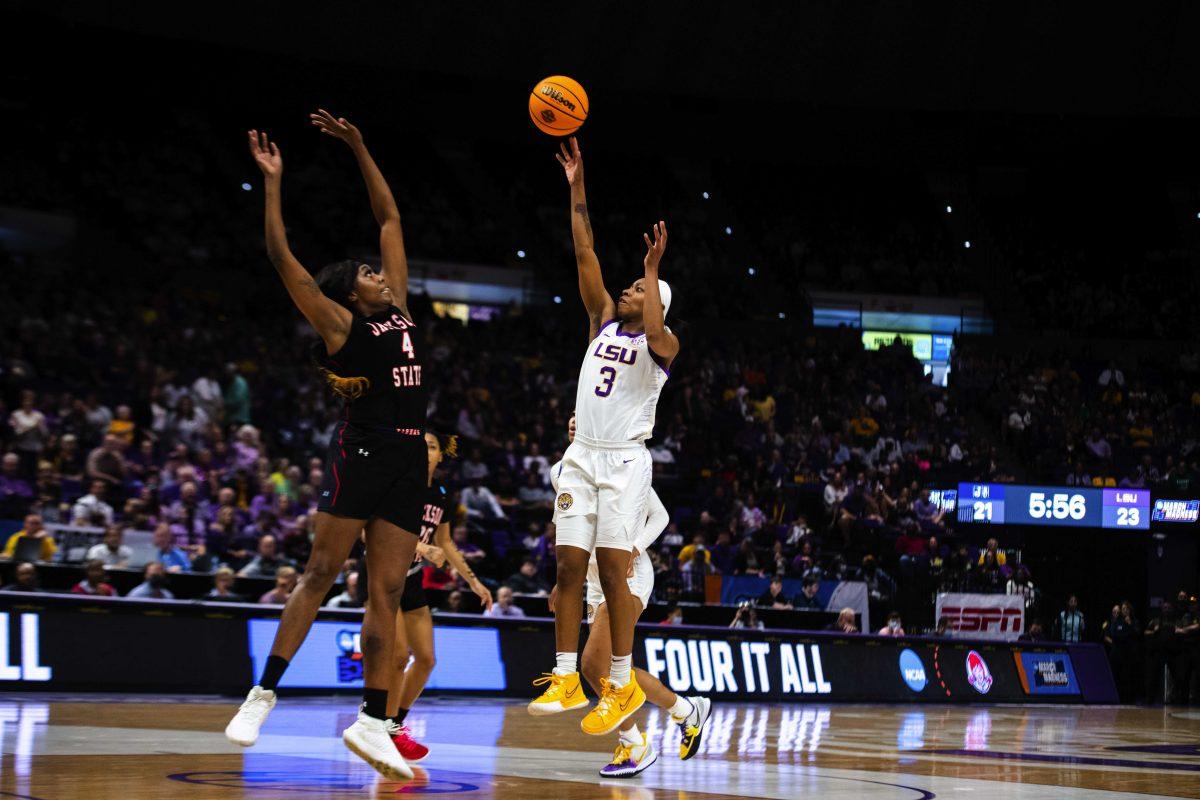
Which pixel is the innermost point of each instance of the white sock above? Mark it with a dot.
(631, 736)
(621, 666)
(683, 708)
(566, 663)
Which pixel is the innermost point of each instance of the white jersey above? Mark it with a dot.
(619, 385)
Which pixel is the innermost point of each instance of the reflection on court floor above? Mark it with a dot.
(63, 746)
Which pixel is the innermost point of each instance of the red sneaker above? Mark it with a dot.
(409, 748)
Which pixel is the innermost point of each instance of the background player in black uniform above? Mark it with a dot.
(377, 470)
(415, 624)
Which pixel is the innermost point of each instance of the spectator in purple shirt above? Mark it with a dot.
(724, 554)
(226, 498)
(265, 500)
(264, 524)
(928, 514)
(1099, 447)
(16, 495)
(285, 582)
(470, 551)
(247, 448)
(189, 513)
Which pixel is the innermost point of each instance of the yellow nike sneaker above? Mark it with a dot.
(693, 726)
(562, 694)
(616, 705)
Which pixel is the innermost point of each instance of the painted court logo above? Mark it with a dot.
(565, 501)
(912, 670)
(978, 674)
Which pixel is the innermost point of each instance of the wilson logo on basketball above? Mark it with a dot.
(558, 97)
(565, 501)
(547, 115)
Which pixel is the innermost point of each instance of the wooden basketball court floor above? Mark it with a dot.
(59, 747)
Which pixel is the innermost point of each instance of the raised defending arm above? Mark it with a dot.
(383, 205)
(596, 299)
(331, 321)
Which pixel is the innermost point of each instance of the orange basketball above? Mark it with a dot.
(558, 105)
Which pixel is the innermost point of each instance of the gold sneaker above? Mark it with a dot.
(616, 705)
(562, 694)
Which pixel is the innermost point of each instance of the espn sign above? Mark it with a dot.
(983, 616)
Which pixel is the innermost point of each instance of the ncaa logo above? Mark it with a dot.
(978, 674)
(912, 670)
(349, 661)
(347, 641)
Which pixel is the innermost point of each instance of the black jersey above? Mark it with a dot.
(384, 349)
(437, 511)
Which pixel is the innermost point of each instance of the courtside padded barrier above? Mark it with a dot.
(63, 642)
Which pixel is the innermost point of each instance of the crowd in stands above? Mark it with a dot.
(809, 458)
(1089, 422)
(167, 390)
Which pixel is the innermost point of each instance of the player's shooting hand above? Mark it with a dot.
(266, 154)
(336, 127)
(656, 247)
(483, 593)
(572, 161)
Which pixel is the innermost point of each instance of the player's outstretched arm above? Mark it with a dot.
(383, 205)
(443, 540)
(596, 299)
(331, 321)
(664, 343)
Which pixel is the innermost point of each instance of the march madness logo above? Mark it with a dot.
(1046, 673)
(1050, 672)
(978, 674)
(349, 660)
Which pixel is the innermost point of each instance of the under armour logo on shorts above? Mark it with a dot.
(362, 452)
(565, 501)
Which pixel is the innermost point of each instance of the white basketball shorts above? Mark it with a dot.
(601, 495)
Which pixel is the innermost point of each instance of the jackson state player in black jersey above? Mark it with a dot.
(415, 623)
(376, 472)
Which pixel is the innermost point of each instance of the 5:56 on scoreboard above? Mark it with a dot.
(990, 503)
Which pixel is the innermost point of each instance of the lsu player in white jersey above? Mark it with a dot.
(604, 480)
(635, 752)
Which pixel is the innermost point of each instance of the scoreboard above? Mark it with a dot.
(1005, 503)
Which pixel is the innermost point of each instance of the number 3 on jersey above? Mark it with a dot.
(606, 386)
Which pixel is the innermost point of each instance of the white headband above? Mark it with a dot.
(664, 292)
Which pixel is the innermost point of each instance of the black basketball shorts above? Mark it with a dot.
(371, 476)
(414, 593)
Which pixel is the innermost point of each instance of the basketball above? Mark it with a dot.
(558, 105)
